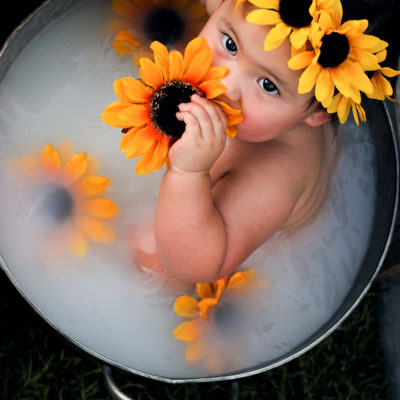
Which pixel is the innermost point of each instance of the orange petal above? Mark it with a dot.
(111, 115)
(150, 73)
(308, 78)
(125, 43)
(138, 141)
(204, 290)
(102, 208)
(187, 331)
(94, 185)
(199, 65)
(219, 287)
(193, 48)
(195, 351)
(161, 58)
(97, 230)
(186, 306)
(241, 278)
(77, 244)
(175, 65)
(125, 8)
(50, 159)
(215, 73)
(212, 89)
(205, 305)
(132, 90)
(135, 115)
(76, 166)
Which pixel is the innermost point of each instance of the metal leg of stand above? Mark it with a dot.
(235, 390)
(112, 386)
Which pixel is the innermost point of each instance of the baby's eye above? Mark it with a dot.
(229, 44)
(268, 86)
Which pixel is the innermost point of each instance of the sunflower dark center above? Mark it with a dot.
(164, 106)
(226, 317)
(334, 50)
(164, 25)
(295, 13)
(57, 202)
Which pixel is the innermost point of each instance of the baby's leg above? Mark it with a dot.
(145, 252)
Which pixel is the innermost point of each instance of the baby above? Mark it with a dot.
(222, 198)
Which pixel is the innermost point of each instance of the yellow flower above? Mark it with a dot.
(171, 22)
(202, 313)
(341, 105)
(147, 106)
(382, 87)
(69, 196)
(294, 19)
(341, 54)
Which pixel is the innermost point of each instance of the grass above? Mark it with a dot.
(37, 364)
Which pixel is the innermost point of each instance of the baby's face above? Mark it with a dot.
(259, 82)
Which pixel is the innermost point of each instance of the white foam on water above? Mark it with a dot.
(56, 91)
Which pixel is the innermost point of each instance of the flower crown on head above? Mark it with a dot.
(335, 56)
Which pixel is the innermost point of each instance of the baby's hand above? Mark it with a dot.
(204, 138)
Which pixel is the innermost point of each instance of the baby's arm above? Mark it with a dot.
(204, 233)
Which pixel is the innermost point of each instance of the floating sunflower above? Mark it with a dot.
(147, 106)
(341, 54)
(66, 194)
(171, 22)
(211, 312)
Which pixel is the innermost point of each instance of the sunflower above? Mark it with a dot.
(67, 195)
(294, 19)
(207, 312)
(171, 22)
(341, 54)
(147, 106)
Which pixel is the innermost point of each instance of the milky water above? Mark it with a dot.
(56, 91)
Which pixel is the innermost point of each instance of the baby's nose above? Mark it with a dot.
(233, 90)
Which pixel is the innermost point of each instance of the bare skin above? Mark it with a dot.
(222, 198)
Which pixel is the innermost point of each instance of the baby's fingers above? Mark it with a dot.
(192, 124)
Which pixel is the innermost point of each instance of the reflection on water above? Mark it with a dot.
(56, 91)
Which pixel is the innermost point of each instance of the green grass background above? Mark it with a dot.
(36, 363)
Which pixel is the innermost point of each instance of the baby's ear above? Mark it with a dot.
(318, 117)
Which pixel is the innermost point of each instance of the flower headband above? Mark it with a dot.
(338, 58)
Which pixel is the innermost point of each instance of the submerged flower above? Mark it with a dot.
(211, 310)
(341, 54)
(171, 22)
(147, 108)
(68, 196)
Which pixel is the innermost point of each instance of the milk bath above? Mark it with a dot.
(56, 91)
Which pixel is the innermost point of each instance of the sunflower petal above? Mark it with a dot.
(132, 90)
(96, 230)
(203, 290)
(186, 306)
(241, 278)
(76, 166)
(50, 159)
(215, 73)
(195, 351)
(187, 331)
(276, 36)
(323, 85)
(125, 8)
(77, 244)
(111, 115)
(94, 185)
(161, 58)
(175, 65)
(205, 305)
(135, 115)
(101, 208)
(199, 65)
(194, 47)
(264, 17)
(212, 89)
(150, 73)
(301, 60)
(125, 43)
(137, 141)
(309, 78)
